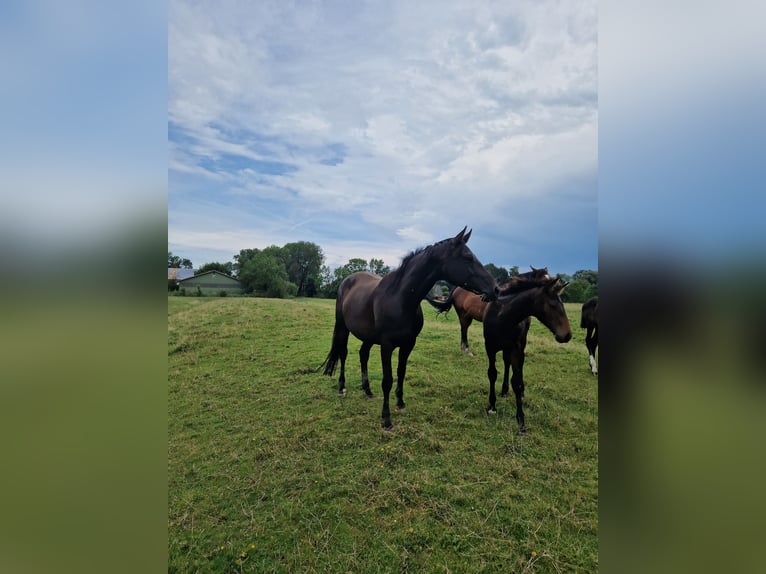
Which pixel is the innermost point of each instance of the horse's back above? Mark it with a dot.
(469, 303)
(589, 314)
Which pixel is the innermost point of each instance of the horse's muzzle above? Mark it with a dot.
(565, 339)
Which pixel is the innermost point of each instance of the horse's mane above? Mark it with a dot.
(519, 285)
(397, 274)
(524, 281)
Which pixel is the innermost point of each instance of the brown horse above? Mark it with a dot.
(506, 323)
(386, 311)
(470, 307)
(589, 321)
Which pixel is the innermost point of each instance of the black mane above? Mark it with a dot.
(398, 273)
(521, 285)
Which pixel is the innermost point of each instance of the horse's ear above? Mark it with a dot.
(562, 285)
(467, 236)
(459, 236)
(532, 267)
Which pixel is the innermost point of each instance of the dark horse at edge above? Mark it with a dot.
(386, 310)
(506, 324)
(589, 321)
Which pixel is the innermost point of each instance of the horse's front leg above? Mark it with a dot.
(386, 351)
(492, 376)
(364, 356)
(517, 382)
(401, 370)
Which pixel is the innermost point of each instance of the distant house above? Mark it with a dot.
(211, 283)
(179, 274)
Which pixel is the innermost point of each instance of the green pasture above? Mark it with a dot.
(269, 470)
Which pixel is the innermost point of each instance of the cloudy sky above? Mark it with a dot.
(373, 128)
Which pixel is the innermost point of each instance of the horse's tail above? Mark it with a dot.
(442, 306)
(339, 339)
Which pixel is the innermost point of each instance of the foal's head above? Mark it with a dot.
(544, 295)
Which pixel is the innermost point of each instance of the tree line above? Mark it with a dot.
(298, 270)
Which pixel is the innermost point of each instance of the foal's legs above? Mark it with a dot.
(517, 382)
(506, 372)
(492, 376)
(364, 356)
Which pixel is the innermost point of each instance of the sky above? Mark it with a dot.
(375, 128)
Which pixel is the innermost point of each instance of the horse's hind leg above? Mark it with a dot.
(465, 322)
(342, 354)
(591, 340)
(364, 357)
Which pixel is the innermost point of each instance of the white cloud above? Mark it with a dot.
(426, 101)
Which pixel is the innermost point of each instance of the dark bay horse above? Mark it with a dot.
(470, 307)
(589, 321)
(386, 311)
(506, 324)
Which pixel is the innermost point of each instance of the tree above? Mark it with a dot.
(378, 267)
(175, 261)
(264, 274)
(241, 259)
(513, 271)
(303, 263)
(215, 266)
(586, 275)
(499, 273)
(576, 292)
(332, 280)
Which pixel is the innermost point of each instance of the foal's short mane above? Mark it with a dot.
(521, 285)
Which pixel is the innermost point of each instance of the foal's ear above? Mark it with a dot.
(467, 236)
(459, 236)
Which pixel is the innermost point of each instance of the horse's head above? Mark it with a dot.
(543, 294)
(551, 310)
(460, 267)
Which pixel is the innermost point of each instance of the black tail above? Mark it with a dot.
(442, 306)
(332, 357)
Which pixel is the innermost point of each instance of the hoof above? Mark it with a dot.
(491, 411)
(523, 429)
(504, 394)
(401, 409)
(369, 396)
(387, 426)
(342, 393)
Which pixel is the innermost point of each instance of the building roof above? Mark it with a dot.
(212, 271)
(179, 274)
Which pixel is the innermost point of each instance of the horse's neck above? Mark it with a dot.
(416, 281)
(520, 306)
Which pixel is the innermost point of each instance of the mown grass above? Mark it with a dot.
(269, 470)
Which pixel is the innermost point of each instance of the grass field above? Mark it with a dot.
(269, 470)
